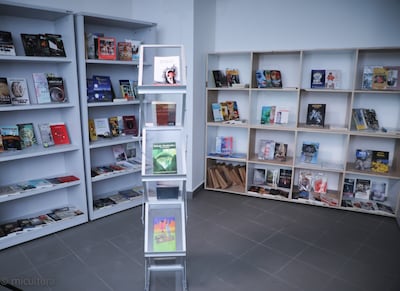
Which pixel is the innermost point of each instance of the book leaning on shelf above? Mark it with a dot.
(164, 158)
(167, 70)
(164, 113)
(7, 47)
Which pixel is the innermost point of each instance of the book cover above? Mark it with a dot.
(7, 47)
(18, 91)
(166, 70)
(45, 134)
(316, 115)
(259, 177)
(224, 145)
(378, 191)
(114, 126)
(56, 89)
(380, 161)
(164, 113)
(359, 118)
(56, 45)
(309, 152)
(5, 97)
(102, 88)
(167, 190)
(164, 234)
(224, 110)
(368, 72)
(107, 48)
(363, 189)
(92, 44)
(320, 183)
(10, 137)
(233, 110)
(263, 79)
(305, 184)
(266, 149)
(164, 158)
(27, 134)
(124, 51)
(318, 79)
(276, 79)
(371, 119)
(217, 112)
(44, 50)
(285, 178)
(30, 43)
(102, 127)
(348, 188)
(130, 125)
(379, 78)
(232, 77)
(40, 183)
(60, 133)
(127, 89)
(363, 160)
(219, 78)
(41, 86)
(119, 153)
(393, 78)
(92, 130)
(280, 153)
(332, 79)
(135, 45)
(281, 115)
(268, 114)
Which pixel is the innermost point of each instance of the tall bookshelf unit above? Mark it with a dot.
(37, 161)
(338, 139)
(100, 152)
(163, 210)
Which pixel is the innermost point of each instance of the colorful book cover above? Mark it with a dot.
(166, 70)
(309, 152)
(318, 79)
(18, 91)
(164, 158)
(332, 79)
(217, 112)
(224, 145)
(60, 133)
(107, 48)
(5, 97)
(268, 114)
(164, 234)
(41, 88)
(316, 114)
(266, 150)
(27, 134)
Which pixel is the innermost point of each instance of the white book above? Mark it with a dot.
(166, 70)
(41, 88)
(18, 91)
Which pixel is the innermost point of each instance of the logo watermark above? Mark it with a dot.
(29, 281)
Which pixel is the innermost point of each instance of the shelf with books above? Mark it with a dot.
(59, 149)
(111, 107)
(334, 109)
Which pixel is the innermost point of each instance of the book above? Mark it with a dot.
(164, 158)
(124, 51)
(266, 149)
(130, 125)
(102, 127)
(348, 188)
(276, 79)
(309, 152)
(127, 89)
(40, 183)
(263, 78)
(363, 189)
(7, 47)
(316, 115)
(317, 79)
(384, 208)
(378, 191)
(167, 190)
(320, 183)
(164, 113)
(92, 44)
(380, 161)
(224, 111)
(27, 134)
(135, 45)
(371, 119)
(379, 78)
(56, 89)
(280, 152)
(367, 77)
(359, 118)
(217, 112)
(102, 89)
(114, 126)
(233, 110)
(393, 82)
(281, 115)
(5, 97)
(167, 70)
(332, 79)
(59, 132)
(285, 178)
(363, 160)
(92, 130)
(119, 153)
(268, 114)
(232, 77)
(259, 177)
(219, 78)
(224, 145)
(56, 45)
(45, 134)
(10, 137)
(164, 234)
(44, 50)
(41, 86)
(1, 143)
(304, 184)
(18, 91)
(106, 48)
(30, 43)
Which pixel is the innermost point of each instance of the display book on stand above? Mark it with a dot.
(164, 177)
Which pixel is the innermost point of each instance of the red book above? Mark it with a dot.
(130, 126)
(60, 133)
(107, 48)
(66, 179)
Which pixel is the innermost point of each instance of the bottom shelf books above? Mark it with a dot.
(31, 223)
(164, 234)
(119, 197)
(222, 176)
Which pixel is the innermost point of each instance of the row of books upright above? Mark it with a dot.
(22, 136)
(41, 44)
(113, 126)
(48, 87)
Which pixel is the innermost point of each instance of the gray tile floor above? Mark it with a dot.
(234, 243)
